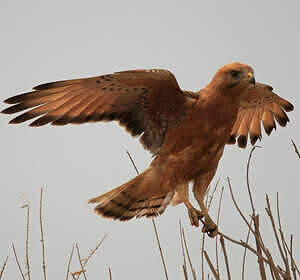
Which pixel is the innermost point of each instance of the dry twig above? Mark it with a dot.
(245, 253)
(109, 272)
(215, 274)
(296, 149)
(225, 257)
(80, 262)
(160, 250)
(218, 218)
(17, 261)
(42, 236)
(27, 206)
(69, 263)
(188, 254)
(3, 267)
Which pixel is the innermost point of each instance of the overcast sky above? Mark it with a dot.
(43, 41)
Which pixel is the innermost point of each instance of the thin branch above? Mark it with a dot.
(238, 209)
(91, 254)
(213, 194)
(133, 163)
(109, 272)
(3, 267)
(94, 250)
(27, 241)
(290, 253)
(185, 272)
(69, 263)
(202, 255)
(215, 274)
(286, 259)
(160, 250)
(259, 248)
(292, 263)
(296, 149)
(27, 206)
(188, 255)
(273, 268)
(17, 261)
(218, 219)
(248, 183)
(225, 256)
(243, 244)
(269, 260)
(80, 262)
(182, 248)
(42, 236)
(245, 253)
(270, 214)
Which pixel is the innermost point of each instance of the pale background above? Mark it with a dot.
(44, 41)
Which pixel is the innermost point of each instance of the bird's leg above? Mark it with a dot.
(200, 186)
(182, 194)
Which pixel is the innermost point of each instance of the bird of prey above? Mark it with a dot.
(185, 131)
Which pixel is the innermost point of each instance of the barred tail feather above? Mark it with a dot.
(135, 198)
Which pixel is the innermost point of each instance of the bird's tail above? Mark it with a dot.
(141, 196)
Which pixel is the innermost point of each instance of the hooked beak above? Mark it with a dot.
(251, 78)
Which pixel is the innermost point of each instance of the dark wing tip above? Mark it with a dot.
(253, 139)
(231, 140)
(242, 141)
(288, 107)
(45, 86)
(268, 129)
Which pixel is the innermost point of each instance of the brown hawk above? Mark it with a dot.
(185, 131)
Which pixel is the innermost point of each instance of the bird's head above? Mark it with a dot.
(233, 78)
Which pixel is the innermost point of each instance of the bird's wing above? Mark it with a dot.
(258, 104)
(144, 101)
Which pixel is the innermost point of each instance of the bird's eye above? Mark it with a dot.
(235, 74)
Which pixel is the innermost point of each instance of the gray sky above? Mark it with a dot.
(54, 40)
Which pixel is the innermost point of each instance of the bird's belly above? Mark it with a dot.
(194, 159)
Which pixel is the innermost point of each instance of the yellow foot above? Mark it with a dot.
(209, 227)
(195, 216)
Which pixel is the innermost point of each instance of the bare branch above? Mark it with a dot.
(225, 257)
(80, 262)
(292, 260)
(215, 274)
(160, 250)
(213, 194)
(69, 263)
(238, 209)
(17, 261)
(286, 259)
(259, 248)
(296, 149)
(27, 206)
(245, 252)
(182, 247)
(133, 163)
(218, 219)
(270, 214)
(109, 272)
(42, 236)
(248, 184)
(3, 267)
(188, 255)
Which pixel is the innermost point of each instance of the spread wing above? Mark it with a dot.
(259, 104)
(146, 102)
